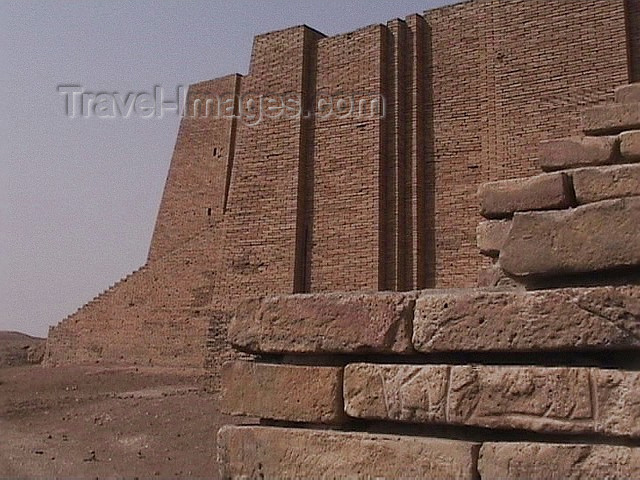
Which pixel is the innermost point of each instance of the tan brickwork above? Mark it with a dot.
(261, 234)
(157, 316)
(349, 168)
(316, 204)
(505, 75)
(195, 189)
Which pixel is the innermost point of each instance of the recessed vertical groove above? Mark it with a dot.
(632, 25)
(304, 217)
(232, 139)
(386, 168)
(424, 135)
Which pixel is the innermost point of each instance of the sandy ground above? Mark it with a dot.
(90, 422)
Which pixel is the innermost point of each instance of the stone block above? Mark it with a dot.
(617, 396)
(595, 237)
(603, 183)
(542, 399)
(542, 192)
(269, 452)
(630, 145)
(575, 152)
(282, 392)
(325, 323)
(494, 276)
(491, 235)
(567, 319)
(628, 93)
(611, 119)
(549, 461)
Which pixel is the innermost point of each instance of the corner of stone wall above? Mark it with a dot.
(500, 382)
(576, 223)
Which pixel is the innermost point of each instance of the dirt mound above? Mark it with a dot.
(19, 349)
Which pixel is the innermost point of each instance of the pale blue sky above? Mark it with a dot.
(79, 196)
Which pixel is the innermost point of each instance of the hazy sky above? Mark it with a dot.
(79, 196)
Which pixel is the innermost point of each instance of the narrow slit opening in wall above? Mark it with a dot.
(215, 151)
(209, 212)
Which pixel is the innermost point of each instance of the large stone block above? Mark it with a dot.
(491, 235)
(594, 237)
(282, 392)
(548, 461)
(603, 318)
(325, 323)
(630, 145)
(603, 183)
(268, 452)
(542, 192)
(628, 93)
(542, 399)
(611, 119)
(577, 152)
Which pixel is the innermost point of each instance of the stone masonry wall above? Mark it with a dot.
(500, 382)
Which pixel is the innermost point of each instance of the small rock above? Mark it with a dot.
(91, 457)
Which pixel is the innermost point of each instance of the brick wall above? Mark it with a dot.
(260, 222)
(156, 316)
(164, 314)
(348, 165)
(195, 190)
(504, 76)
(319, 203)
(160, 313)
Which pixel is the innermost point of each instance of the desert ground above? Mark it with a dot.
(106, 422)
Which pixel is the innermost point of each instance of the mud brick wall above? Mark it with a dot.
(159, 315)
(348, 166)
(261, 219)
(506, 75)
(195, 190)
(318, 204)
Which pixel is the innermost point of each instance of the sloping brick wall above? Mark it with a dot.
(195, 190)
(313, 203)
(153, 317)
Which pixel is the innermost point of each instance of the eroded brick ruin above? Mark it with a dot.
(525, 366)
